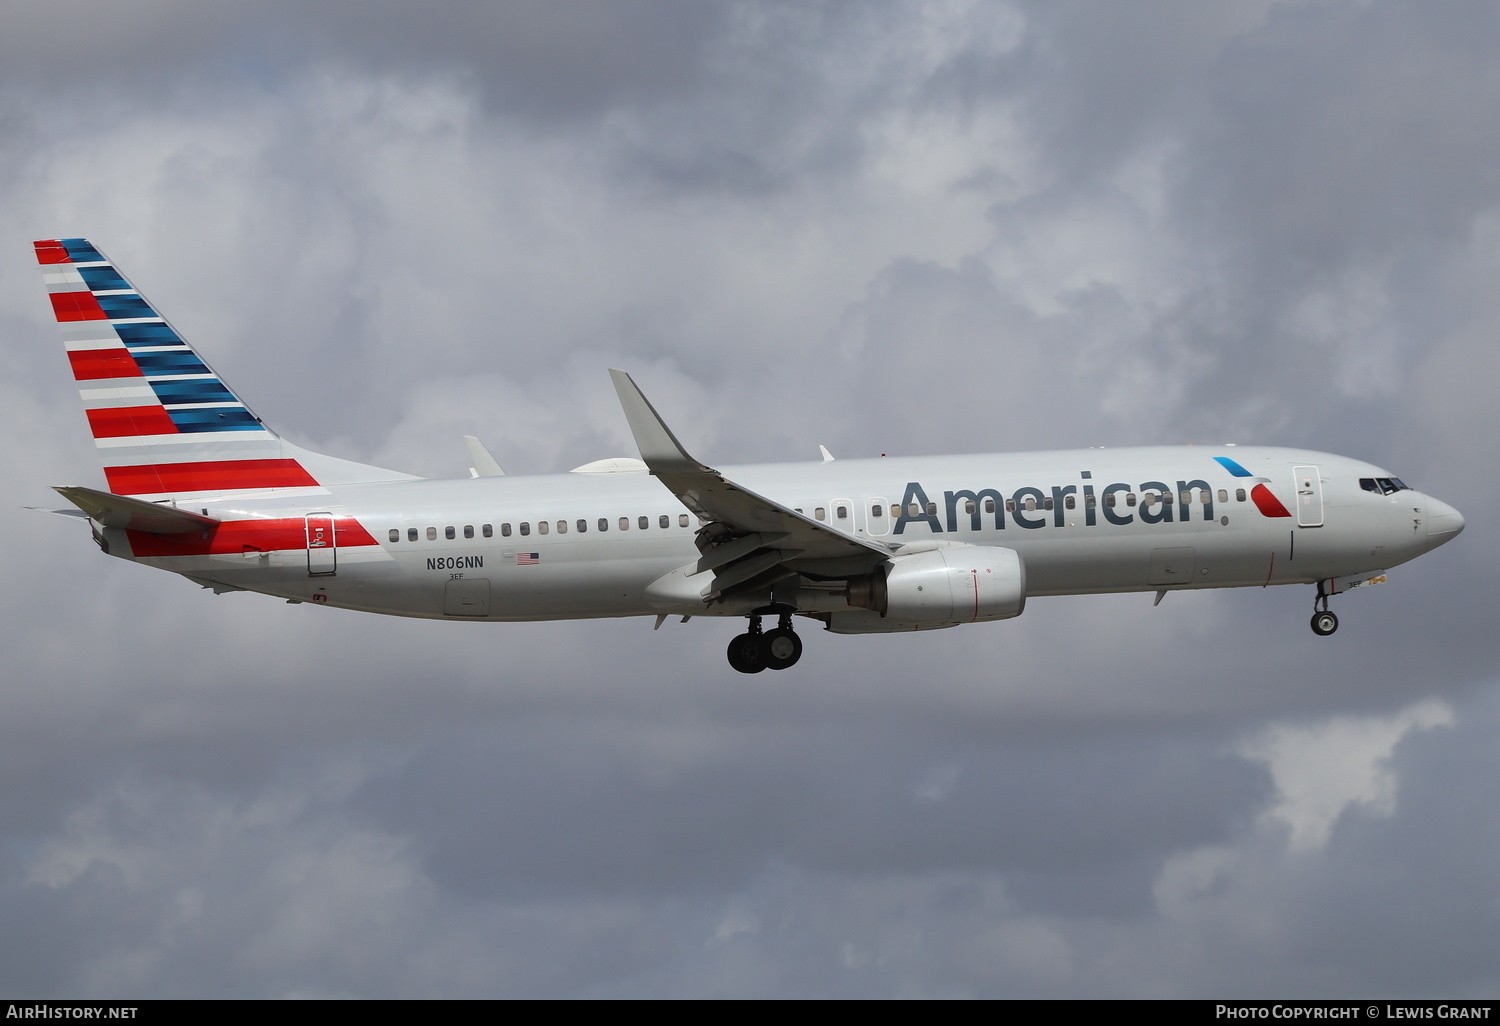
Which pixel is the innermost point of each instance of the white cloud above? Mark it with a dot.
(1324, 768)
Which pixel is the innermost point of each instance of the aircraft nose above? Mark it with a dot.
(1443, 522)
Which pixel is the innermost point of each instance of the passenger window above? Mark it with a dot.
(604, 523)
(932, 509)
(1109, 500)
(1223, 495)
(820, 513)
(432, 534)
(914, 510)
(664, 521)
(895, 510)
(1186, 498)
(989, 505)
(682, 520)
(505, 530)
(525, 529)
(969, 506)
(1070, 502)
(562, 527)
(583, 525)
(876, 511)
(411, 534)
(1130, 498)
(395, 534)
(449, 533)
(1089, 501)
(1031, 504)
(643, 522)
(1047, 502)
(1010, 505)
(468, 530)
(1239, 495)
(488, 530)
(624, 523)
(542, 527)
(841, 512)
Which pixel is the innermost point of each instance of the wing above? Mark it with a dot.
(748, 540)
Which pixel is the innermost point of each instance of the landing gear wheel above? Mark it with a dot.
(780, 648)
(1324, 623)
(746, 653)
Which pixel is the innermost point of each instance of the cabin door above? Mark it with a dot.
(1309, 487)
(322, 551)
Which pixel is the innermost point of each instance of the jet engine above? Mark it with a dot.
(951, 584)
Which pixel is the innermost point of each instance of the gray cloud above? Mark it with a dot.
(884, 227)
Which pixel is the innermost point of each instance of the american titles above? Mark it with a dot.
(1031, 507)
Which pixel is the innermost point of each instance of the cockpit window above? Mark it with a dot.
(1383, 485)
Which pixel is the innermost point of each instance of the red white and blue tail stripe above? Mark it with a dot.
(166, 425)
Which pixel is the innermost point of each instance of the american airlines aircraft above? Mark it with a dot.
(197, 484)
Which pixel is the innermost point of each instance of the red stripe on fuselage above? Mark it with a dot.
(1268, 504)
(93, 364)
(125, 421)
(227, 475)
(51, 251)
(76, 306)
(237, 536)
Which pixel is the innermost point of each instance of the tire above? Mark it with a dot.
(780, 648)
(1324, 623)
(745, 654)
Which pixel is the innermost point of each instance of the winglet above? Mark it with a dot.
(659, 447)
(485, 465)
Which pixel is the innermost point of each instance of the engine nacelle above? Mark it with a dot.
(951, 584)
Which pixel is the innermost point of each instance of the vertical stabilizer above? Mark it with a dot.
(166, 425)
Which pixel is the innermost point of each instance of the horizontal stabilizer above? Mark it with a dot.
(76, 514)
(135, 514)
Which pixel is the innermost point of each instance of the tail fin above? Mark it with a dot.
(166, 425)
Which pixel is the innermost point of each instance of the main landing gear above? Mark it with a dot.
(775, 649)
(1324, 622)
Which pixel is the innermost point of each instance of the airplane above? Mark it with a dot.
(198, 485)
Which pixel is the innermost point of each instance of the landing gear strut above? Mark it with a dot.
(1324, 622)
(775, 649)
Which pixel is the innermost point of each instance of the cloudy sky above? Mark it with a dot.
(885, 227)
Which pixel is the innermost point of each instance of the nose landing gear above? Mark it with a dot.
(1324, 622)
(775, 649)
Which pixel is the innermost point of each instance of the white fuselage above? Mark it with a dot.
(574, 545)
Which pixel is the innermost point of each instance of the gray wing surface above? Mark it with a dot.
(748, 540)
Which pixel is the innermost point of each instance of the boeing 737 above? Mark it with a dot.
(197, 484)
